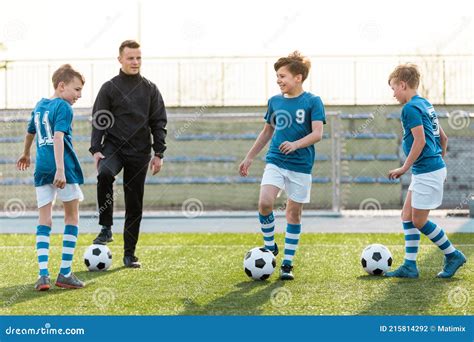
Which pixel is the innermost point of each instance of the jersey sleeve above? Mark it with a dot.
(31, 125)
(411, 117)
(317, 111)
(63, 118)
(269, 118)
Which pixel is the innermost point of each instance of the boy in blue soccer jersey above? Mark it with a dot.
(294, 123)
(424, 143)
(57, 172)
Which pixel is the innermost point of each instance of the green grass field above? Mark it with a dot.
(201, 274)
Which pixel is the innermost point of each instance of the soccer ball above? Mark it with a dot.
(376, 259)
(259, 263)
(98, 258)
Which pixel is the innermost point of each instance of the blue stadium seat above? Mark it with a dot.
(364, 116)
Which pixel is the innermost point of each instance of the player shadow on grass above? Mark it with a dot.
(16, 294)
(416, 294)
(247, 299)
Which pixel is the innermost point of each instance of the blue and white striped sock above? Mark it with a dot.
(69, 244)
(292, 237)
(412, 241)
(42, 248)
(268, 230)
(438, 237)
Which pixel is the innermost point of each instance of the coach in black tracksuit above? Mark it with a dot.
(127, 112)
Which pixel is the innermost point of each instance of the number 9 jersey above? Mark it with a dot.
(419, 112)
(49, 116)
(292, 119)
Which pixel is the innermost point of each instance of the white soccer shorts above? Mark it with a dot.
(47, 193)
(427, 189)
(297, 185)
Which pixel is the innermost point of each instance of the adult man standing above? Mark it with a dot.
(128, 110)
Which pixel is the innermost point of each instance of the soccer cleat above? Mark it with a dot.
(274, 251)
(104, 237)
(131, 261)
(404, 271)
(286, 272)
(70, 282)
(452, 264)
(43, 283)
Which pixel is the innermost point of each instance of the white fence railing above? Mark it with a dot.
(248, 81)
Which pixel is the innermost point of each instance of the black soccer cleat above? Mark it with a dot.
(286, 272)
(131, 261)
(104, 237)
(275, 250)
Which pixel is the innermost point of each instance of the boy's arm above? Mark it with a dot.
(24, 161)
(59, 177)
(443, 140)
(262, 139)
(315, 136)
(416, 149)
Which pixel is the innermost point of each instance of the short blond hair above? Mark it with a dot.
(66, 74)
(296, 64)
(407, 73)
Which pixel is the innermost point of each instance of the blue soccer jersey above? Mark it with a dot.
(419, 112)
(291, 119)
(51, 116)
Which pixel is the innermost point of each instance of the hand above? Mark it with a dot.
(98, 156)
(156, 164)
(59, 179)
(23, 163)
(244, 167)
(287, 147)
(396, 173)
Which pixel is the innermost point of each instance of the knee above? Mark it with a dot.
(265, 206)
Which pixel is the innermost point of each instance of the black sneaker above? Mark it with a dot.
(104, 237)
(131, 261)
(275, 250)
(71, 282)
(43, 283)
(286, 272)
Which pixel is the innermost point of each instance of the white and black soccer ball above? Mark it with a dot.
(98, 258)
(376, 259)
(259, 263)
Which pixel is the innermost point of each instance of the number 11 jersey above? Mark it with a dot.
(49, 116)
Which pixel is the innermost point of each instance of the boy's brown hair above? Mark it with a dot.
(407, 73)
(131, 44)
(296, 64)
(66, 74)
